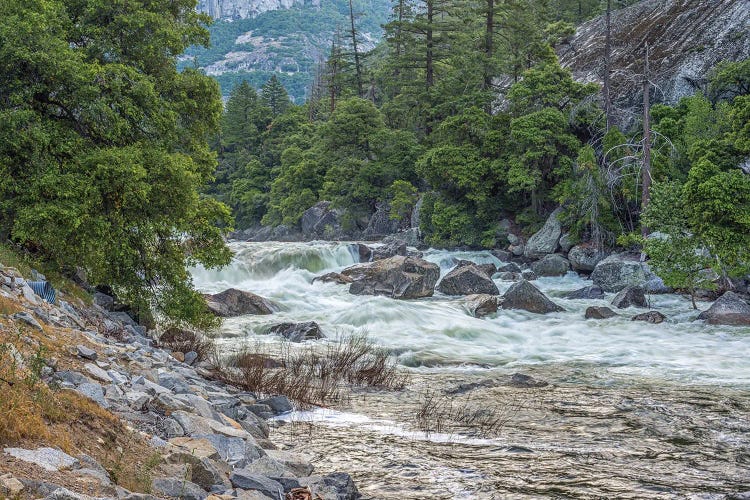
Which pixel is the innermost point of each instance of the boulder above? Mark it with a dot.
(631, 296)
(412, 237)
(551, 265)
(729, 309)
(566, 243)
(510, 267)
(320, 220)
(488, 269)
(363, 252)
(501, 255)
(508, 276)
(599, 312)
(389, 250)
(337, 278)
(247, 480)
(86, 353)
(467, 280)
(585, 257)
(398, 277)
(297, 332)
(335, 486)
(380, 223)
(528, 275)
(524, 295)
(481, 305)
(104, 301)
(547, 239)
(650, 317)
(618, 271)
(183, 489)
(589, 292)
(233, 302)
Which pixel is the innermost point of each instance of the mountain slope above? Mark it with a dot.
(686, 38)
(253, 39)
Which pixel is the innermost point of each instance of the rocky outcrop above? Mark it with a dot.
(398, 277)
(551, 265)
(321, 220)
(388, 250)
(467, 280)
(481, 305)
(686, 39)
(524, 295)
(729, 309)
(245, 9)
(233, 302)
(599, 312)
(381, 224)
(411, 237)
(298, 332)
(547, 239)
(337, 278)
(631, 296)
(585, 257)
(619, 271)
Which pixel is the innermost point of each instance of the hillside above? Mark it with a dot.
(253, 39)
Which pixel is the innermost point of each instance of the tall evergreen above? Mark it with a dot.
(274, 96)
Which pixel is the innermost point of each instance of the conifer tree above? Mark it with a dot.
(274, 95)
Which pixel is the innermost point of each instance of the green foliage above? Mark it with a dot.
(103, 146)
(274, 96)
(403, 197)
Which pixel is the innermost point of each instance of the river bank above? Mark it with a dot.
(630, 409)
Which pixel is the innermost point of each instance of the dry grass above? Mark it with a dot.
(311, 376)
(440, 413)
(9, 306)
(185, 341)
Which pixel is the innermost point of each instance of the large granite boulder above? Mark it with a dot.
(398, 277)
(547, 239)
(489, 269)
(320, 220)
(467, 280)
(524, 295)
(729, 309)
(551, 265)
(233, 302)
(297, 332)
(654, 317)
(585, 257)
(619, 271)
(388, 250)
(631, 296)
(599, 312)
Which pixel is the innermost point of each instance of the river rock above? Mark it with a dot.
(551, 265)
(547, 239)
(501, 255)
(363, 252)
(233, 302)
(528, 275)
(631, 296)
(510, 267)
(589, 292)
(506, 276)
(481, 305)
(585, 257)
(389, 250)
(247, 480)
(183, 489)
(524, 295)
(337, 278)
(618, 271)
(467, 280)
(729, 309)
(599, 312)
(398, 277)
(297, 332)
(650, 317)
(336, 486)
(488, 269)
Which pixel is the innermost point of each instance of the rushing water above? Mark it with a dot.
(632, 410)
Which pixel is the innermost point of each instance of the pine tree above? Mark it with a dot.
(274, 95)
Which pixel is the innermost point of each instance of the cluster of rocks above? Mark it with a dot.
(212, 438)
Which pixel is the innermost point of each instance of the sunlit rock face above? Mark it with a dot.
(243, 9)
(686, 39)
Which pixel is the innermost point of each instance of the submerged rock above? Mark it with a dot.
(233, 302)
(524, 295)
(297, 332)
(729, 309)
(599, 312)
(650, 317)
(481, 305)
(398, 277)
(467, 280)
(589, 292)
(632, 296)
(525, 381)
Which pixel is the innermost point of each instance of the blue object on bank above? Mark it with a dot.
(44, 290)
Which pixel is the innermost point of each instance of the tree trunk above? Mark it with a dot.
(646, 171)
(357, 66)
(608, 66)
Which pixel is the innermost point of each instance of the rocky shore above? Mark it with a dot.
(191, 435)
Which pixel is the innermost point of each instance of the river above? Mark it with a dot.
(630, 409)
